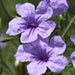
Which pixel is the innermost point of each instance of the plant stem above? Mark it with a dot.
(23, 68)
(67, 28)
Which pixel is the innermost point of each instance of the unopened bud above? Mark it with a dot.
(17, 63)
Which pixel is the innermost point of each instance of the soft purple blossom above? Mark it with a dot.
(2, 45)
(59, 6)
(73, 54)
(32, 22)
(56, 43)
(43, 55)
(73, 38)
(73, 58)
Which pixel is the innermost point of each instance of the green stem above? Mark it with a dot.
(23, 68)
(67, 28)
(0, 25)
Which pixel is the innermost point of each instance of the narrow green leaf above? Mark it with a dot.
(7, 69)
(67, 28)
(6, 39)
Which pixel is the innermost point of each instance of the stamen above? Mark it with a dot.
(33, 25)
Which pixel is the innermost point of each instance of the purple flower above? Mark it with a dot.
(58, 6)
(73, 54)
(2, 45)
(42, 56)
(73, 58)
(31, 23)
(73, 38)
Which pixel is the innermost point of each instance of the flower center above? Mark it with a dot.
(44, 56)
(45, 59)
(32, 25)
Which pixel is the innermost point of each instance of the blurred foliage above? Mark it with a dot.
(7, 60)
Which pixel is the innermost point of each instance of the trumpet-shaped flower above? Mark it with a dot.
(73, 58)
(42, 56)
(59, 6)
(73, 38)
(31, 23)
(73, 54)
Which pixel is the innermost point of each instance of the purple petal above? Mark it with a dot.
(57, 63)
(73, 58)
(59, 6)
(29, 35)
(46, 28)
(23, 54)
(46, 40)
(25, 10)
(43, 45)
(36, 69)
(57, 44)
(26, 52)
(16, 26)
(73, 38)
(43, 11)
(2, 45)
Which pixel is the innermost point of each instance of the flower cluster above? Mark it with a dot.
(58, 6)
(35, 28)
(31, 23)
(43, 55)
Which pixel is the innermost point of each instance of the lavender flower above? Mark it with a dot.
(58, 6)
(73, 38)
(2, 45)
(42, 56)
(73, 54)
(73, 58)
(31, 23)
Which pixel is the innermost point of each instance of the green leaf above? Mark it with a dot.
(69, 25)
(7, 39)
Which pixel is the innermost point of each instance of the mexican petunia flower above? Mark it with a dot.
(73, 54)
(31, 23)
(59, 6)
(2, 45)
(73, 38)
(73, 58)
(43, 55)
